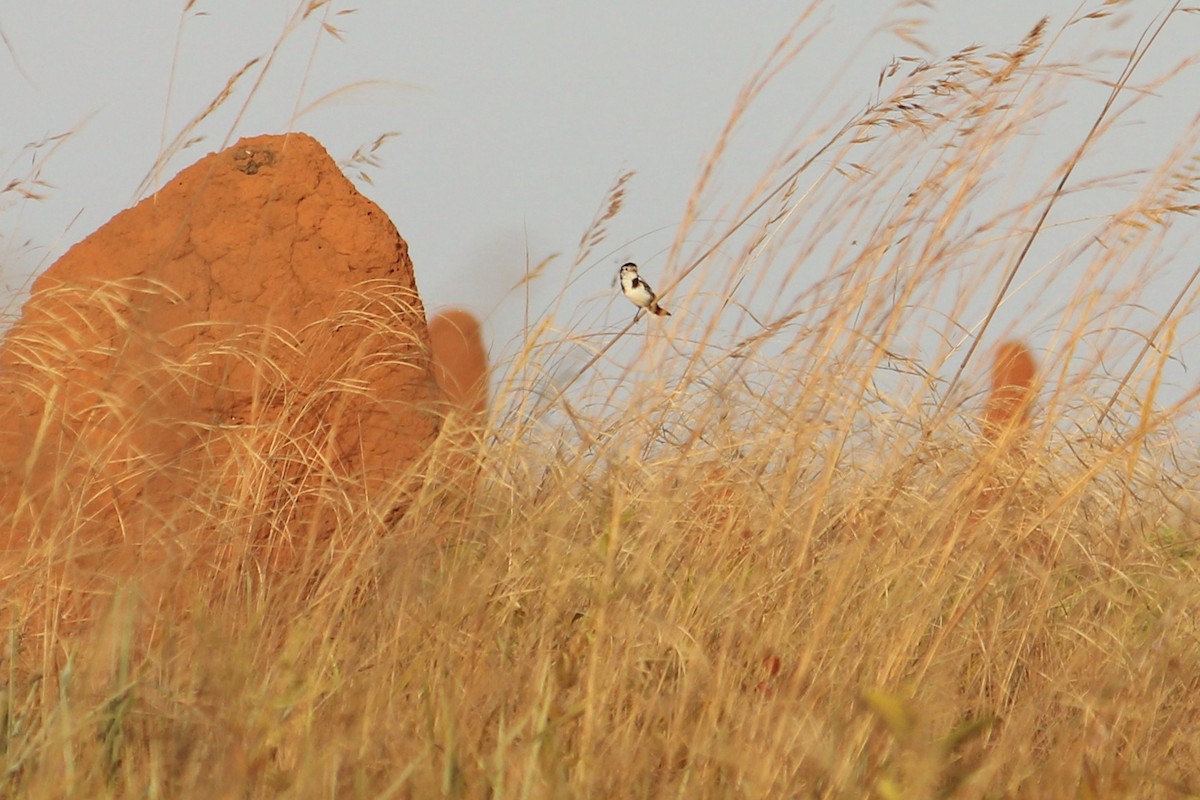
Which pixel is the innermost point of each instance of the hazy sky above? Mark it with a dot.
(514, 118)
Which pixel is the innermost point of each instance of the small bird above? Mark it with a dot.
(639, 291)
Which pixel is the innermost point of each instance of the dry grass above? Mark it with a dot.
(762, 550)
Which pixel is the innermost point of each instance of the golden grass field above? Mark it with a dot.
(782, 544)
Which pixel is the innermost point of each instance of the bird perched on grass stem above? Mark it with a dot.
(639, 291)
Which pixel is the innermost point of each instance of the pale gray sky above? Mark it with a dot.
(514, 118)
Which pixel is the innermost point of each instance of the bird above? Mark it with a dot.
(639, 291)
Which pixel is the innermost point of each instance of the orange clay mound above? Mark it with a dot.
(241, 359)
(1010, 401)
(460, 363)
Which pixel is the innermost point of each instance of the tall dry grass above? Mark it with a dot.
(743, 553)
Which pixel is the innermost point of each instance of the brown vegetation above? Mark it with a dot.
(742, 557)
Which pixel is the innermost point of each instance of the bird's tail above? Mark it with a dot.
(659, 311)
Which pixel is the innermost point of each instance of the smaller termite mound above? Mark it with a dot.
(1008, 412)
(460, 362)
(1007, 418)
(461, 370)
